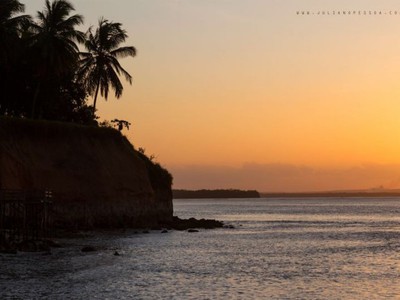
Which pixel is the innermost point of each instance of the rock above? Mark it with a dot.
(3, 240)
(53, 244)
(193, 230)
(43, 246)
(8, 250)
(116, 253)
(164, 231)
(145, 231)
(229, 226)
(35, 246)
(6, 247)
(88, 249)
(184, 224)
(28, 246)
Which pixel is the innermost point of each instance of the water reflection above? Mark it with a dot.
(280, 249)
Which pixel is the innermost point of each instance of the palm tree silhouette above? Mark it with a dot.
(11, 28)
(100, 68)
(54, 42)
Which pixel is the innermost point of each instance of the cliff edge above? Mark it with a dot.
(97, 178)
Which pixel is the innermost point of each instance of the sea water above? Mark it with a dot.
(309, 248)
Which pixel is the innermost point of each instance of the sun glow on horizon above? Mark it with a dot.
(230, 82)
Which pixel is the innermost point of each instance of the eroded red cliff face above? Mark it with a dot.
(97, 178)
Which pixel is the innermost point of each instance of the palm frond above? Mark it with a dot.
(115, 82)
(124, 52)
(116, 65)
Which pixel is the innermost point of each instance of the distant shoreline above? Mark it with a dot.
(330, 194)
(219, 193)
(252, 194)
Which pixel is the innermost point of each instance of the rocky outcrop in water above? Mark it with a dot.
(191, 223)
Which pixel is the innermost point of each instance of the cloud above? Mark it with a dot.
(286, 177)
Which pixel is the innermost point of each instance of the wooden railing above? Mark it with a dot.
(24, 215)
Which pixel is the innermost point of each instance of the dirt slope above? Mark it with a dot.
(96, 176)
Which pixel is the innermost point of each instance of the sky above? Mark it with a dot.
(253, 94)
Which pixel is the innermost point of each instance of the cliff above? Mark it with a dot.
(97, 178)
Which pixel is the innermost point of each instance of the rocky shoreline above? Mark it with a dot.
(45, 245)
(42, 245)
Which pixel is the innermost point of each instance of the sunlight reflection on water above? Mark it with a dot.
(280, 249)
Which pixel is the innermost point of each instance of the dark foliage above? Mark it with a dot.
(160, 178)
(40, 62)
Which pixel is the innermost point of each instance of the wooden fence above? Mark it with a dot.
(24, 215)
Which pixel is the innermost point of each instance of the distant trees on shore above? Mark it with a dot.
(219, 193)
(44, 75)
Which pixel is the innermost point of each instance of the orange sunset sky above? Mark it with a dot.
(249, 94)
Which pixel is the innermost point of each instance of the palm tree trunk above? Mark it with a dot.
(35, 96)
(95, 97)
(5, 103)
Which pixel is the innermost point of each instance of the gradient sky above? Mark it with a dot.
(248, 94)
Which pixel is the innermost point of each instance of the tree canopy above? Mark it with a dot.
(44, 75)
(99, 66)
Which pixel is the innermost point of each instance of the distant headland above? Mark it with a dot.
(219, 193)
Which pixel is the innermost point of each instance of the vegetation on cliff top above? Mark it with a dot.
(43, 73)
(160, 178)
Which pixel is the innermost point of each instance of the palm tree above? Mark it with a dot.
(11, 27)
(100, 68)
(54, 42)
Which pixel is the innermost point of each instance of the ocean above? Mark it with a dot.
(303, 248)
